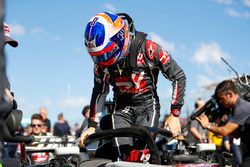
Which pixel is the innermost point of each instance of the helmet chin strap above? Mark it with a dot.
(119, 62)
(121, 58)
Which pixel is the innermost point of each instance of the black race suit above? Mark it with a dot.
(135, 96)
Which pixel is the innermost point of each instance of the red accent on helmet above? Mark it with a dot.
(109, 62)
(105, 50)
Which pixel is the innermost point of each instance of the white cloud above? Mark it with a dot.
(209, 53)
(246, 3)
(193, 94)
(234, 13)
(17, 29)
(69, 100)
(204, 80)
(205, 87)
(232, 2)
(69, 103)
(110, 7)
(72, 102)
(169, 46)
(209, 82)
(38, 32)
(227, 2)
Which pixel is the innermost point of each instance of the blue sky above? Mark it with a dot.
(51, 67)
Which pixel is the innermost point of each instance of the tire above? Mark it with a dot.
(185, 158)
(95, 162)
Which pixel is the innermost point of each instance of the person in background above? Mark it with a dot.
(199, 133)
(2, 74)
(44, 114)
(76, 130)
(8, 40)
(239, 123)
(61, 128)
(13, 43)
(86, 111)
(7, 102)
(84, 126)
(36, 125)
(9, 148)
(3, 77)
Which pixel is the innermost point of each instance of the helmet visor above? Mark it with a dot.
(106, 56)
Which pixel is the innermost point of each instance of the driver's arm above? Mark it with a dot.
(99, 93)
(172, 71)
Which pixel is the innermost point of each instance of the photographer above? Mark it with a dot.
(238, 125)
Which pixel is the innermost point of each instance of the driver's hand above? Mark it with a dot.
(85, 135)
(173, 124)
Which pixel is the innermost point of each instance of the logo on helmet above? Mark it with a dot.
(121, 34)
(93, 21)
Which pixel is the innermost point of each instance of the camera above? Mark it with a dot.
(214, 110)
